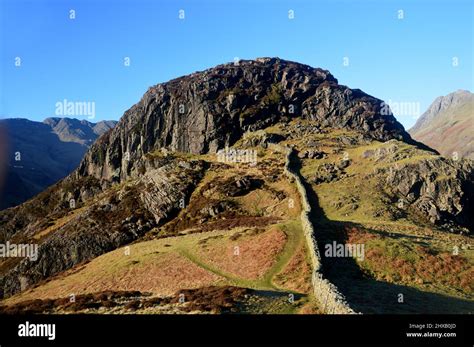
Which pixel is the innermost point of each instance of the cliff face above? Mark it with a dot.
(439, 190)
(209, 110)
(116, 219)
(269, 100)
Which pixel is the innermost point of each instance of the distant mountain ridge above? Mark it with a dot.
(79, 131)
(448, 125)
(41, 153)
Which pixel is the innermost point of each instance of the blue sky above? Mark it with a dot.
(82, 59)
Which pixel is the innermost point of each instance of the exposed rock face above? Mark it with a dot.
(448, 125)
(206, 111)
(438, 189)
(128, 184)
(104, 224)
(260, 138)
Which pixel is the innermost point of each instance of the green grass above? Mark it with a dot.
(360, 197)
(274, 95)
(294, 233)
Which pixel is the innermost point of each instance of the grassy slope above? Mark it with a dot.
(353, 209)
(163, 266)
(401, 255)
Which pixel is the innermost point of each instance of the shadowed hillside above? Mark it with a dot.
(40, 154)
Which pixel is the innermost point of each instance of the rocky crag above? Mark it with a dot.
(138, 175)
(206, 111)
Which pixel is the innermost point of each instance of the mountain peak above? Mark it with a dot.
(209, 110)
(448, 124)
(317, 162)
(440, 104)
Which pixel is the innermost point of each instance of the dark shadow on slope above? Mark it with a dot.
(368, 295)
(421, 145)
(37, 158)
(365, 294)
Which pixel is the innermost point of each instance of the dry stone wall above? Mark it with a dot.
(330, 299)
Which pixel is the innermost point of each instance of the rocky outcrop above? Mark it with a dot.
(260, 138)
(212, 109)
(438, 189)
(132, 179)
(105, 223)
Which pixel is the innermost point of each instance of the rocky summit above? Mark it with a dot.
(230, 186)
(209, 110)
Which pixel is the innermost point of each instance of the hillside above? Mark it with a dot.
(235, 181)
(448, 125)
(42, 153)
